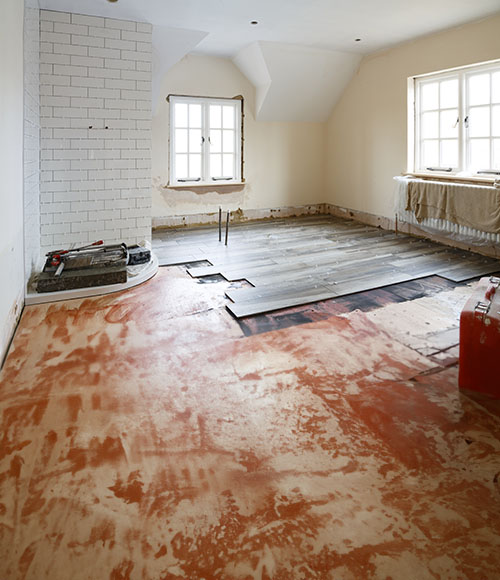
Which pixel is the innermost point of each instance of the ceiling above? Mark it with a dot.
(324, 24)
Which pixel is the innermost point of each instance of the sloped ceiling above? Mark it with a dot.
(325, 24)
(301, 53)
(252, 64)
(169, 46)
(295, 83)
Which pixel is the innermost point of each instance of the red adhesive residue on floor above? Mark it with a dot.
(144, 437)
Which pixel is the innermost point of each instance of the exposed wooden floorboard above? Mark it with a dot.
(296, 261)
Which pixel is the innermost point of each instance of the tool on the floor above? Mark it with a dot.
(96, 254)
(138, 255)
(57, 256)
(227, 227)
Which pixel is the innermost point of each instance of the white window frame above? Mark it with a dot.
(206, 179)
(415, 163)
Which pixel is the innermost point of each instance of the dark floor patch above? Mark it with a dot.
(421, 287)
(240, 284)
(364, 301)
(196, 264)
(184, 264)
(214, 279)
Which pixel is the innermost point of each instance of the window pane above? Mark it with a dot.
(495, 121)
(496, 154)
(228, 165)
(228, 141)
(479, 154)
(449, 153)
(215, 141)
(228, 117)
(181, 140)
(195, 140)
(495, 87)
(479, 89)
(215, 116)
(449, 124)
(430, 96)
(195, 116)
(181, 115)
(430, 125)
(195, 166)
(479, 122)
(215, 165)
(449, 94)
(430, 153)
(181, 166)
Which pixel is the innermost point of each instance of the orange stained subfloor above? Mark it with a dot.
(145, 437)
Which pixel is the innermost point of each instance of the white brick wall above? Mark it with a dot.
(31, 138)
(95, 87)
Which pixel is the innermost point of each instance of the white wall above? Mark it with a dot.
(284, 162)
(95, 84)
(11, 168)
(367, 131)
(31, 137)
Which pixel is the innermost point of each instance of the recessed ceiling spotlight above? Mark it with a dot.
(254, 22)
(112, 1)
(355, 40)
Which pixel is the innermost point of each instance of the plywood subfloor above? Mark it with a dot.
(296, 261)
(145, 436)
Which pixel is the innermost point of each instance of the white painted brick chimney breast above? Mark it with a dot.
(95, 117)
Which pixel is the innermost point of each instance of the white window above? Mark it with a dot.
(205, 140)
(457, 121)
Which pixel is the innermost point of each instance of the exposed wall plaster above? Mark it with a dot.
(239, 215)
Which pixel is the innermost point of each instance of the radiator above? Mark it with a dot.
(437, 226)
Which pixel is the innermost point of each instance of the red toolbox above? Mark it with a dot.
(479, 363)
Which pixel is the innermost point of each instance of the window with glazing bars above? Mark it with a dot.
(205, 140)
(457, 121)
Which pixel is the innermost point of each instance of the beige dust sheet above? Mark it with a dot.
(473, 206)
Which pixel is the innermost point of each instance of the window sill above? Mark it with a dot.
(207, 184)
(452, 178)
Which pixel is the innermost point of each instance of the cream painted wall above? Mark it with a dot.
(367, 131)
(284, 162)
(11, 168)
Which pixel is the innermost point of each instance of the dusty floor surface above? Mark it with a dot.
(147, 435)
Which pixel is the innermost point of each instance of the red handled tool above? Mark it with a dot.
(57, 256)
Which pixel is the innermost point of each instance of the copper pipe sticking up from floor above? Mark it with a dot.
(227, 226)
(220, 224)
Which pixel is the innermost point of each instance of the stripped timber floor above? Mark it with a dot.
(289, 262)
